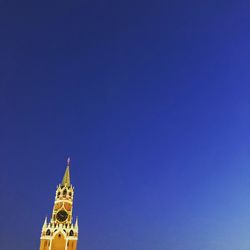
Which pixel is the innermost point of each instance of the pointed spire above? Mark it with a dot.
(76, 224)
(45, 222)
(68, 161)
(66, 177)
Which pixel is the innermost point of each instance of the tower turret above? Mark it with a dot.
(60, 233)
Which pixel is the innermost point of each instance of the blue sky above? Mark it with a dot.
(150, 99)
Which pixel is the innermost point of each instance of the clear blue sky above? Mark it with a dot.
(151, 101)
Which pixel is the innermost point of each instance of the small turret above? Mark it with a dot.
(76, 224)
(45, 223)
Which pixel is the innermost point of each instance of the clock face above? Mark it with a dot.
(62, 215)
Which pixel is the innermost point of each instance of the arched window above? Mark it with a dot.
(48, 232)
(71, 233)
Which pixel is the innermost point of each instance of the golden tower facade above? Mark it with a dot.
(59, 233)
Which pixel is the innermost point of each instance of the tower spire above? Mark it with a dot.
(66, 177)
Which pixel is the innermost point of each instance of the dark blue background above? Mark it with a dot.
(151, 101)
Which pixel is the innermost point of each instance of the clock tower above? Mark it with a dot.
(59, 233)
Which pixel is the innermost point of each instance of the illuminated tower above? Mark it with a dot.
(59, 233)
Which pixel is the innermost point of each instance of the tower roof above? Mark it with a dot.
(66, 177)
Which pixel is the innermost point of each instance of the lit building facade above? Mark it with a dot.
(59, 233)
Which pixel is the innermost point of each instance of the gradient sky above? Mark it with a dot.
(150, 99)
